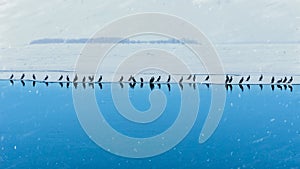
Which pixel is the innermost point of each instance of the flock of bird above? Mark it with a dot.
(191, 79)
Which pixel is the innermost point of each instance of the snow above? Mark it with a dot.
(263, 41)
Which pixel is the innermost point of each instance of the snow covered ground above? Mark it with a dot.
(251, 37)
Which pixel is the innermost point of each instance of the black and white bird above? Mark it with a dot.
(207, 77)
(46, 78)
(151, 80)
(227, 79)
(279, 81)
(33, 76)
(157, 80)
(169, 78)
(121, 79)
(189, 77)
(284, 80)
(68, 79)
(142, 82)
(75, 78)
(130, 78)
(181, 79)
(12, 76)
(100, 79)
(260, 78)
(248, 78)
(194, 78)
(133, 79)
(290, 80)
(22, 77)
(230, 79)
(60, 78)
(241, 81)
(91, 78)
(273, 79)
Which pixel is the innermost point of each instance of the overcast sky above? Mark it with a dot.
(223, 21)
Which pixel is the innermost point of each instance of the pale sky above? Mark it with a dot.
(223, 21)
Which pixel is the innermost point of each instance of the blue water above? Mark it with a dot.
(39, 129)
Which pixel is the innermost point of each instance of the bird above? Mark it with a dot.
(291, 79)
(189, 77)
(33, 76)
(60, 78)
(273, 79)
(75, 78)
(158, 79)
(194, 78)
(91, 78)
(46, 77)
(241, 81)
(230, 79)
(181, 79)
(169, 78)
(83, 80)
(23, 75)
(133, 79)
(121, 79)
(142, 82)
(260, 78)
(207, 77)
(130, 78)
(279, 81)
(152, 79)
(12, 76)
(100, 78)
(248, 78)
(227, 79)
(68, 79)
(284, 80)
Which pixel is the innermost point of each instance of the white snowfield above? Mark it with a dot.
(251, 37)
